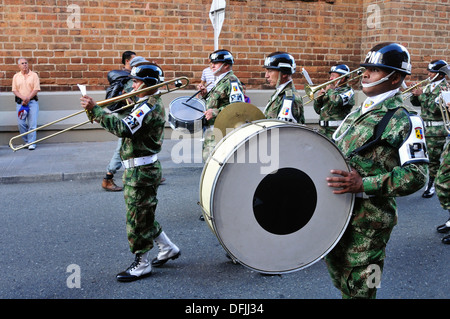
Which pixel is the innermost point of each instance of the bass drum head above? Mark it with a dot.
(269, 204)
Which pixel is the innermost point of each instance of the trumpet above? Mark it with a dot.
(444, 109)
(408, 92)
(178, 82)
(311, 90)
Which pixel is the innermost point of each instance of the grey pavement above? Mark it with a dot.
(74, 161)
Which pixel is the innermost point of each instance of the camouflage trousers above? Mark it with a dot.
(358, 279)
(209, 142)
(442, 182)
(435, 144)
(140, 190)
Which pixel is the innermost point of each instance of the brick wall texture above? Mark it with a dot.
(70, 42)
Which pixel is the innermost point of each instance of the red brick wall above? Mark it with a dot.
(178, 35)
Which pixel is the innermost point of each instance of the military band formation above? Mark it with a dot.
(392, 151)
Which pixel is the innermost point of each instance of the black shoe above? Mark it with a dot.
(446, 240)
(445, 228)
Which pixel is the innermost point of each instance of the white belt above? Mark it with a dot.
(434, 123)
(330, 123)
(363, 195)
(139, 161)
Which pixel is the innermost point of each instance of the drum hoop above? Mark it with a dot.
(223, 164)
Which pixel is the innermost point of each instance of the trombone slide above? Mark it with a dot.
(178, 82)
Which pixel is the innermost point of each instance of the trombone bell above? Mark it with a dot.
(311, 90)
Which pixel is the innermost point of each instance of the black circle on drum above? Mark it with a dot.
(284, 201)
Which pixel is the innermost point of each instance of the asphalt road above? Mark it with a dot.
(67, 240)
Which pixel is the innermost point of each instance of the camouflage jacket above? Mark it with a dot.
(335, 104)
(142, 133)
(429, 109)
(379, 165)
(219, 96)
(275, 103)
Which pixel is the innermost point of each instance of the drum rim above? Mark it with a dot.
(221, 168)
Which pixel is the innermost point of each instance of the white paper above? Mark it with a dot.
(82, 89)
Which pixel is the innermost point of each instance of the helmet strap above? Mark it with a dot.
(219, 69)
(369, 85)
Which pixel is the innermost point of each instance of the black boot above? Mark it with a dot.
(429, 191)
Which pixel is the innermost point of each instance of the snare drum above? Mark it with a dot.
(185, 118)
(264, 194)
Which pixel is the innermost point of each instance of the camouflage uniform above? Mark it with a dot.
(273, 108)
(334, 105)
(430, 113)
(373, 218)
(141, 182)
(217, 99)
(442, 181)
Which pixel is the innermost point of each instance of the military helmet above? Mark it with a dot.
(221, 56)
(281, 61)
(340, 69)
(150, 74)
(389, 55)
(437, 66)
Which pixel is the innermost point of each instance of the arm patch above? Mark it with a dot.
(136, 118)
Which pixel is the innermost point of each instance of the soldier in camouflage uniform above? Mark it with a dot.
(443, 188)
(227, 89)
(380, 172)
(335, 101)
(286, 102)
(427, 99)
(142, 133)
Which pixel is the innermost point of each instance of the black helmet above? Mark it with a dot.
(390, 56)
(221, 56)
(340, 68)
(437, 66)
(280, 61)
(151, 74)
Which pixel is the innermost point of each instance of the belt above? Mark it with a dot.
(330, 123)
(140, 161)
(434, 123)
(363, 195)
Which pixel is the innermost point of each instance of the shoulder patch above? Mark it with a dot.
(135, 119)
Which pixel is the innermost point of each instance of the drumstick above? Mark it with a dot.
(197, 92)
(192, 107)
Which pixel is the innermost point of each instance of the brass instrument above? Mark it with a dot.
(408, 92)
(444, 109)
(178, 82)
(311, 90)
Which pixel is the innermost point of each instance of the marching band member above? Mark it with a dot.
(286, 102)
(335, 101)
(227, 89)
(142, 133)
(427, 99)
(377, 139)
(443, 187)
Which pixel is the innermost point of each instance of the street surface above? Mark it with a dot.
(54, 231)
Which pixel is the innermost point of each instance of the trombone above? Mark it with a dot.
(406, 94)
(178, 82)
(311, 90)
(444, 109)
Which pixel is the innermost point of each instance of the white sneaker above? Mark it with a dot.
(32, 147)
